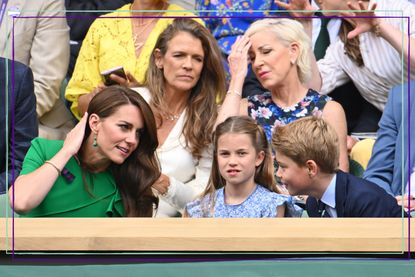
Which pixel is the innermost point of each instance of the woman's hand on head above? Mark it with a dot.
(366, 20)
(74, 138)
(297, 8)
(129, 82)
(238, 58)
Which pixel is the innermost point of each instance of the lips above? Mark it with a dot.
(232, 172)
(123, 150)
(186, 77)
(262, 74)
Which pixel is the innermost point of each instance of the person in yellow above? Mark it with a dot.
(125, 37)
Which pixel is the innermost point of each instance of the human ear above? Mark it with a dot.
(294, 50)
(94, 123)
(158, 58)
(259, 158)
(312, 168)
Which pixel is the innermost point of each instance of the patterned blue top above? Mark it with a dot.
(269, 115)
(261, 203)
(226, 30)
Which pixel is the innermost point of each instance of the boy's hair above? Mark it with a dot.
(264, 174)
(309, 138)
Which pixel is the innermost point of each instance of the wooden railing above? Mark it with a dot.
(176, 234)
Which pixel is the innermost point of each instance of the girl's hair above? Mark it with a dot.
(288, 31)
(264, 173)
(140, 170)
(201, 108)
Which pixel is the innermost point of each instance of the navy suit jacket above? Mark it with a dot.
(356, 197)
(19, 112)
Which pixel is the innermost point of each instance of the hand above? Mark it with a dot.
(238, 58)
(362, 25)
(162, 184)
(130, 82)
(403, 201)
(84, 99)
(295, 6)
(350, 142)
(75, 137)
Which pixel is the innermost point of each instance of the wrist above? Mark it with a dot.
(377, 28)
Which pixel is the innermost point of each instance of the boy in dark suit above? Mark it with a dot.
(307, 153)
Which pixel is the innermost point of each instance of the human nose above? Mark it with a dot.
(279, 172)
(187, 63)
(132, 138)
(232, 160)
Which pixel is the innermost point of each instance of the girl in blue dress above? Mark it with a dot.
(241, 182)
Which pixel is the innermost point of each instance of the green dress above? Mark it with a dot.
(100, 198)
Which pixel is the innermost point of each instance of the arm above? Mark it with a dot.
(238, 66)
(29, 190)
(381, 164)
(48, 59)
(177, 193)
(333, 114)
(377, 25)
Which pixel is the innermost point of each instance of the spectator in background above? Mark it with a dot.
(230, 19)
(113, 42)
(79, 22)
(184, 80)
(42, 43)
(368, 51)
(18, 120)
(391, 160)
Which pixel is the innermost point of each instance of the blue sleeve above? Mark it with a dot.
(24, 125)
(381, 163)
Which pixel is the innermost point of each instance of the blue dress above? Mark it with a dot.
(260, 203)
(269, 115)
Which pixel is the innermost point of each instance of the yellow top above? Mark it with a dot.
(109, 43)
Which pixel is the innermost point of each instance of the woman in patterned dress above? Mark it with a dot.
(279, 51)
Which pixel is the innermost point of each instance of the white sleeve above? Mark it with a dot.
(179, 193)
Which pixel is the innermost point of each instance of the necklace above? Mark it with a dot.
(172, 117)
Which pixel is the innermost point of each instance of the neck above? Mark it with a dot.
(140, 6)
(176, 101)
(237, 193)
(320, 184)
(289, 93)
(92, 159)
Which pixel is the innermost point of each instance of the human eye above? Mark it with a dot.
(266, 51)
(242, 153)
(223, 153)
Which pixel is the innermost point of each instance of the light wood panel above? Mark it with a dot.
(177, 234)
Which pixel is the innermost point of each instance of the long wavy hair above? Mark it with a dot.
(201, 107)
(264, 173)
(140, 170)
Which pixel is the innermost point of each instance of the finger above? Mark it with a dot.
(352, 6)
(373, 7)
(282, 5)
(352, 34)
(361, 6)
(118, 79)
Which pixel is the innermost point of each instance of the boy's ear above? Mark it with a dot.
(259, 158)
(312, 168)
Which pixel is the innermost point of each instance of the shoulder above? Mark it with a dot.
(49, 147)
(200, 207)
(333, 110)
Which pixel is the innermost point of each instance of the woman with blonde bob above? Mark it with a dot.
(279, 51)
(242, 181)
(184, 79)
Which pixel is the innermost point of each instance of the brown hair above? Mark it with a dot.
(201, 108)
(140, 170)
(308, 138)
(264, 173)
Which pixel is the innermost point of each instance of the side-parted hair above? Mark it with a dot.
(140, 170)
(201, 108)
(308, 138)
(264, 173)
(288, 31)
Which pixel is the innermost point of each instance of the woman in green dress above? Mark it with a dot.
(105, 167)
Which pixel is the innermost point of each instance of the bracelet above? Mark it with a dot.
(234, 92)
(376, 30)
(57, 169)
